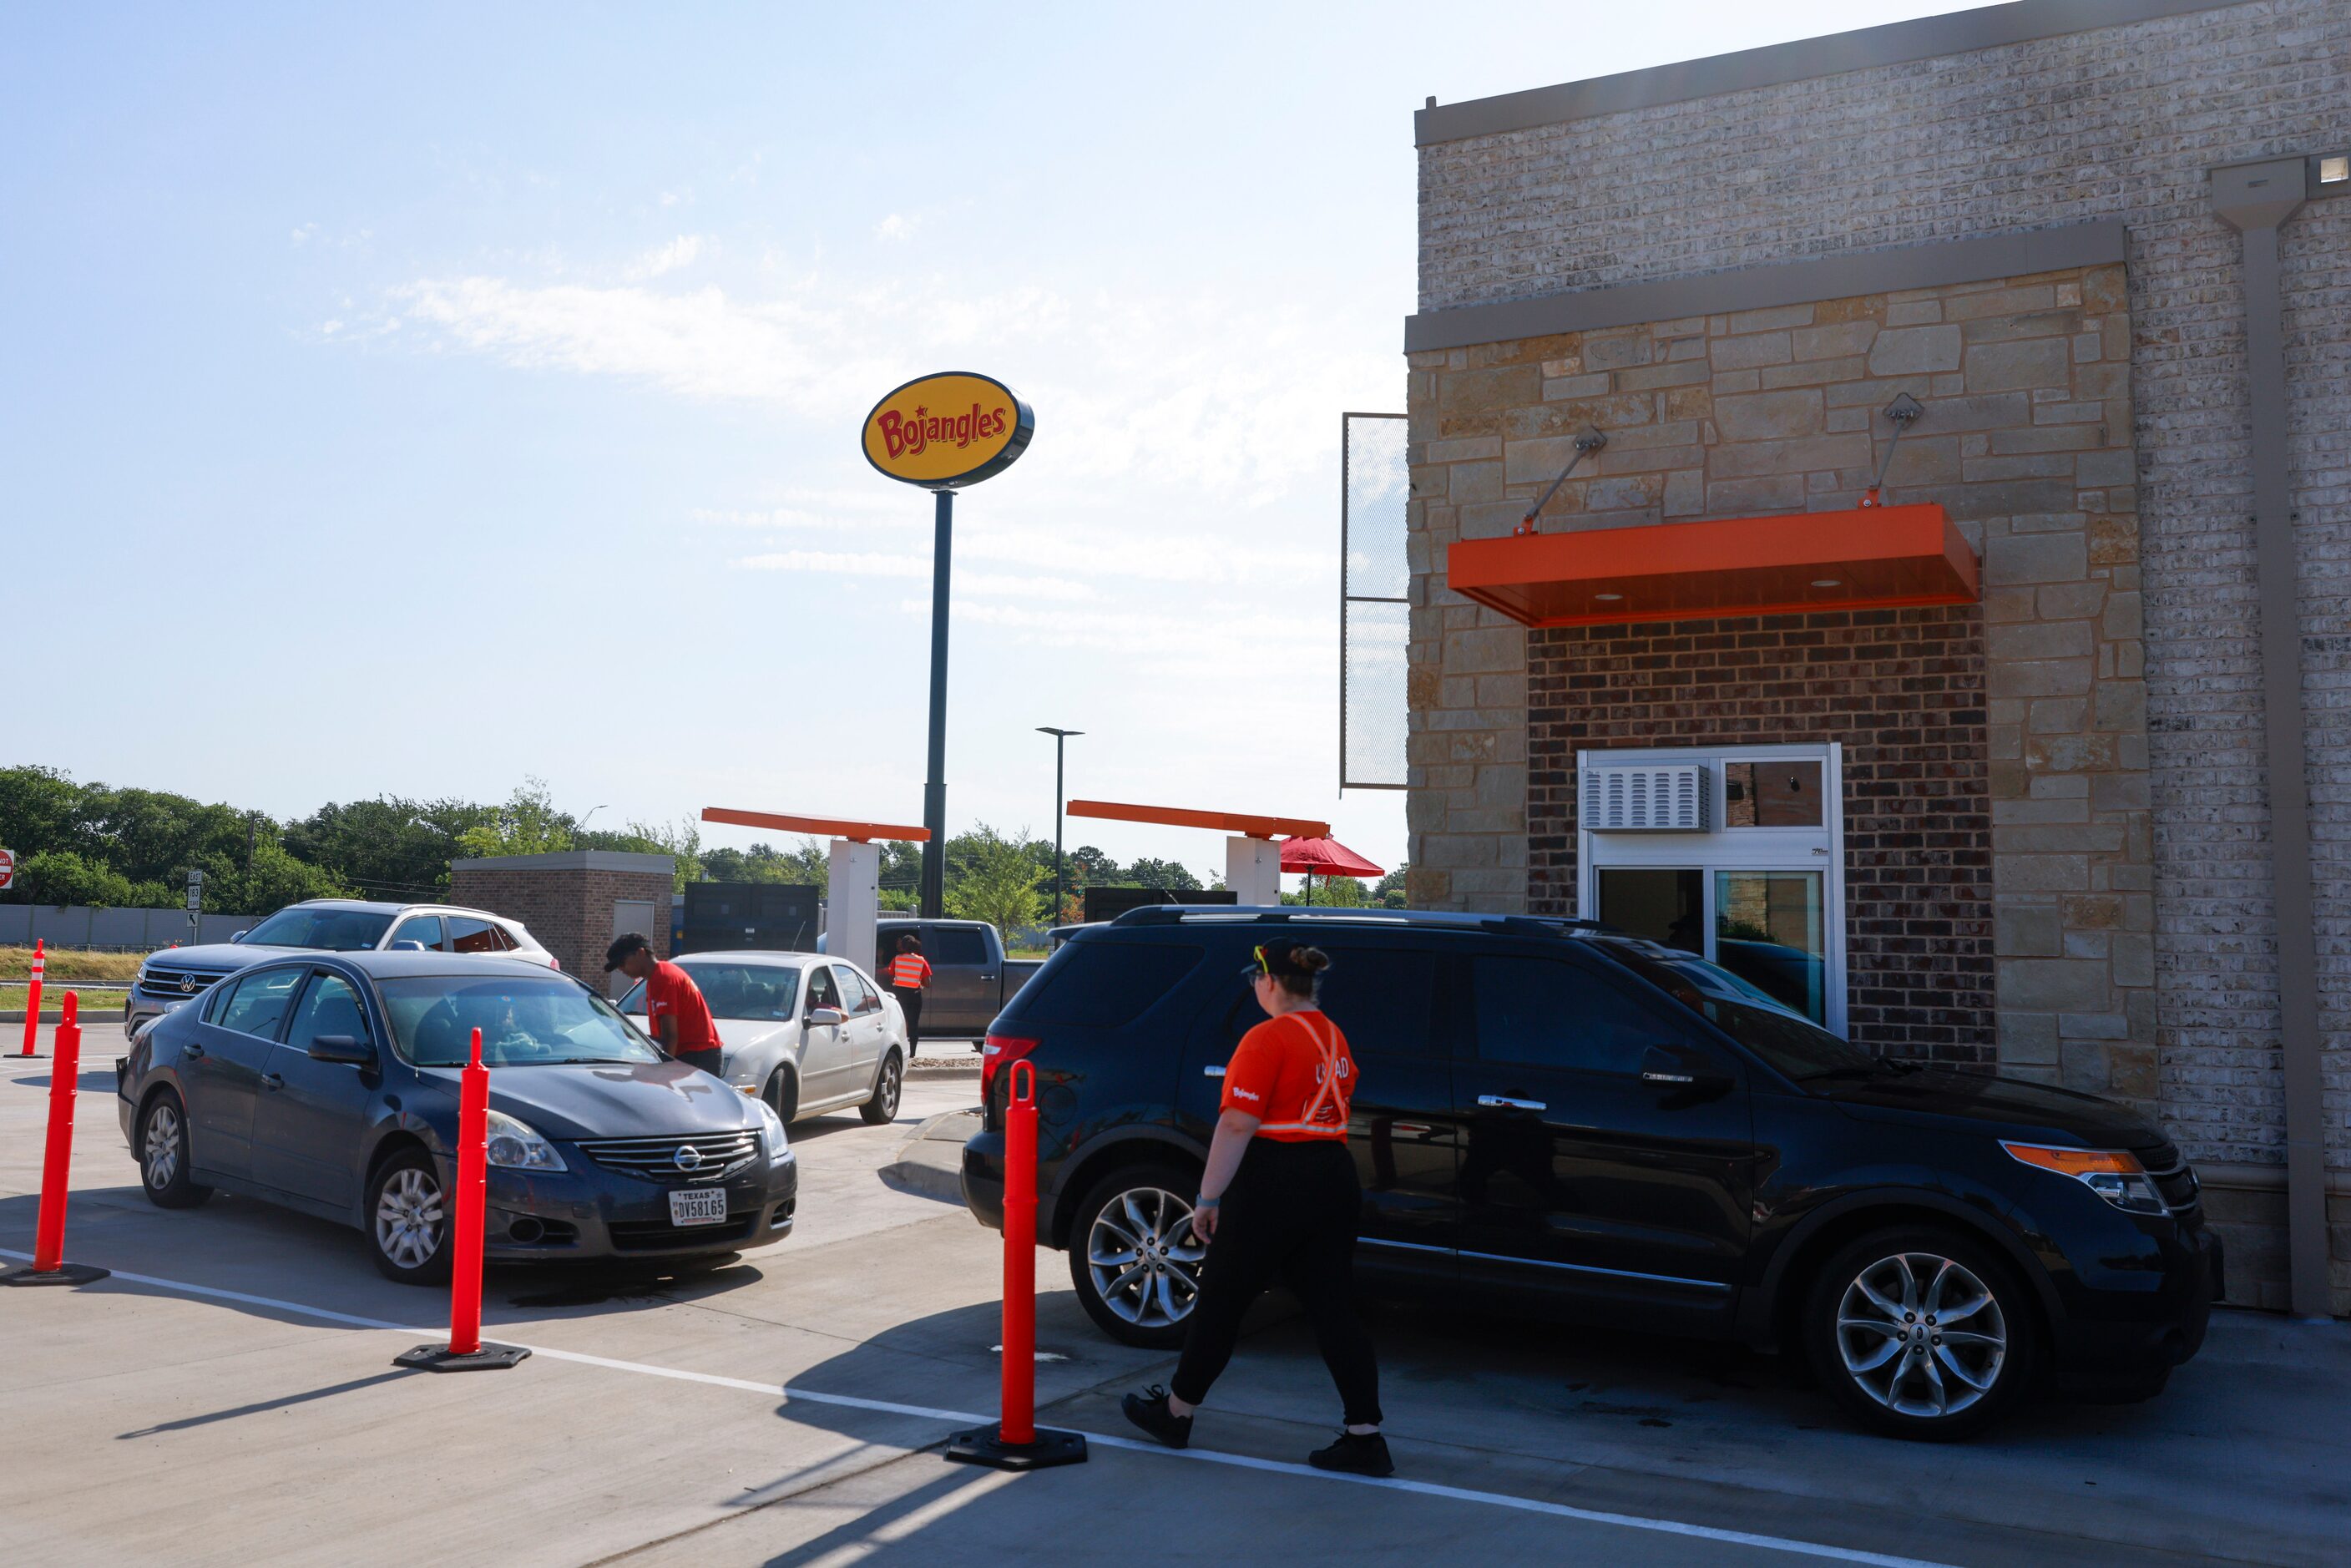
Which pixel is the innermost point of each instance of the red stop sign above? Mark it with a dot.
(7, 867)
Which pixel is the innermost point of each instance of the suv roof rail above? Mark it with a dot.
(1516, 924)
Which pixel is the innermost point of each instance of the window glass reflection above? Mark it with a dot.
(1769, 930)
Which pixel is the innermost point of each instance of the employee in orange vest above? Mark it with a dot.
(1278, 1203)
(909, 972)
(675, 1011)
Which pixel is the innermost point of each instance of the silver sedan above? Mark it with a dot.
(805, 1032)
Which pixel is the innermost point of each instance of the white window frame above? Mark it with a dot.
(1724, 848)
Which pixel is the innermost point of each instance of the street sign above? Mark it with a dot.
(195, 890)
(7, 867)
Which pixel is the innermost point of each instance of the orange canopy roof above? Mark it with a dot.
(1222, 821)
(822, 827)
(1870, 558)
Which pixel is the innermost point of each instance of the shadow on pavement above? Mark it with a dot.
(234, 1412)
(91, 1083)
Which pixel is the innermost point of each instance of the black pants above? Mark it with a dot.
(1288, 1218)
(707, 1060)
(911, 1002)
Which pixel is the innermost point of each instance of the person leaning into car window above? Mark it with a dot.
(1278, 1203)
(674, 1010)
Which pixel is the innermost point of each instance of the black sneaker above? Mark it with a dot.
(1149, 1411)
(1357, 1453)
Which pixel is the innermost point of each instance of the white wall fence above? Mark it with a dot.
(121, 930)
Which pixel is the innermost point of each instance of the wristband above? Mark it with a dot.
(1204, 1201)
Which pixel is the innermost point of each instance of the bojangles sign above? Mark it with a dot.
(945, 432)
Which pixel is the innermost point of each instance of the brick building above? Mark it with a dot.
(574, 902)
(1985, 774)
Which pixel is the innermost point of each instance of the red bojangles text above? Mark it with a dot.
(908, 436)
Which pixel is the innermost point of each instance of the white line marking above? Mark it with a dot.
(1134, 1445)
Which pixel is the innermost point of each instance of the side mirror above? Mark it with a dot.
(342, 1048)
(238, 936)
(408, 945)
(825, 1018)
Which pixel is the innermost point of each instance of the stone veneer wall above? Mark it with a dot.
(1904, 691)
(2025, 440)
(2120, 123)
(569, 908)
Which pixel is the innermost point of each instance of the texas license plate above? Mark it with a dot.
(698, 1206)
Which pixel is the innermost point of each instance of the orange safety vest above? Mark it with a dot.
(909, 972)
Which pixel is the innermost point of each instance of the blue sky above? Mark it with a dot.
(410, 401)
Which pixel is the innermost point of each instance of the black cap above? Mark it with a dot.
(1275, 958)
(618, 953)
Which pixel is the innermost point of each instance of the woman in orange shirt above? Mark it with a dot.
(1278, 1203)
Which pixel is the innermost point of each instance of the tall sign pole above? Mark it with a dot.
(942, 432)
(935, 786)
(1060, 737)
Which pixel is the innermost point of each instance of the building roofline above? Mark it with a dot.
(1896, 43)
(573, 860)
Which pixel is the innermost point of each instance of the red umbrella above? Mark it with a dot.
(1327, 856)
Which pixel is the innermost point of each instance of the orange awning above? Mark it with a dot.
(1241, 822)
(822, 827)
(1871, 559)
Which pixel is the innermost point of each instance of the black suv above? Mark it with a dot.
(1559, 1117)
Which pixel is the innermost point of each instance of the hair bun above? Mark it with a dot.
(1312, 961)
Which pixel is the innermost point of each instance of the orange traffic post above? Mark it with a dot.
(33, 996)
(1014, 1443)
(465, 1351)
(48, 1266)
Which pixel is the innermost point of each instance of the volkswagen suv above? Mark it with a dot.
(1559, 1118)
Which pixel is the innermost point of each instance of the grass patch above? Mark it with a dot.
(70, 964)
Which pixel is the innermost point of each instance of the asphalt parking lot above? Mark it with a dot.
(789, 1408)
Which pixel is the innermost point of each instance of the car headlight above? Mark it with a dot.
(516, 1146)
(771, 1128)
(2114, 1175)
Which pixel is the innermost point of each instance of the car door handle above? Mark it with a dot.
(1504, 1102)
(1412, 1129)
(271, 1080)
(1650, 1077)
(983, 978)
(1212, 1072)
(192, 1052)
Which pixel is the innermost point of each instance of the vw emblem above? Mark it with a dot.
(188, 983)
(687, 1158)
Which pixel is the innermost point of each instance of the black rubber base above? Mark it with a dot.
(439, 1358)
(63, 1274)
(984, 1445)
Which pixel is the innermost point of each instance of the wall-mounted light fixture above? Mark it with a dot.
(2335, 168)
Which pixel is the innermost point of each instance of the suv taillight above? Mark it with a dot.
(1000, 1052)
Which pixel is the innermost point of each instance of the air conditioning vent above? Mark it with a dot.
(1646, 797)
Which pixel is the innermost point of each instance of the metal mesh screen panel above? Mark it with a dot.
(1375, 577)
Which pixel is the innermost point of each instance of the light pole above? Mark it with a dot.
(1061, 738)
(592, 813)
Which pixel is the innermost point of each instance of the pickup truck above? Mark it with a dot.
(971, 979)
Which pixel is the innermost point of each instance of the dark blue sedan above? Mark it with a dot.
(328, 1083)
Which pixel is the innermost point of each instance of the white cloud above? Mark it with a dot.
(896, 226)
(679, 252)
(1186, 393)
(302, 234)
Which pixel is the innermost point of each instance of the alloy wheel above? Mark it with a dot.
(160, 1152)
(1139, 1253)
(408, 1218)
(892, 1077)
(1921, 1334)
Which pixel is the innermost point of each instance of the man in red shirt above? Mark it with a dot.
(675, 1011)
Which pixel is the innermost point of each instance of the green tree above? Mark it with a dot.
(527, 824)
(682, 843)
(1160, 873)
(61, 876)
(1389, 893)
(40, 810)
(387, 848)
(993, 878)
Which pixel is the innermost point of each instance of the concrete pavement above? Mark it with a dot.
(160, 1423)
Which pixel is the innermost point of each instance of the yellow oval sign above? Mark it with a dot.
(945, 432)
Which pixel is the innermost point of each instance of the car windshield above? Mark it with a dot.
(333, 930)
(525, 1022)
(763, 992)
(1788, 1041)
